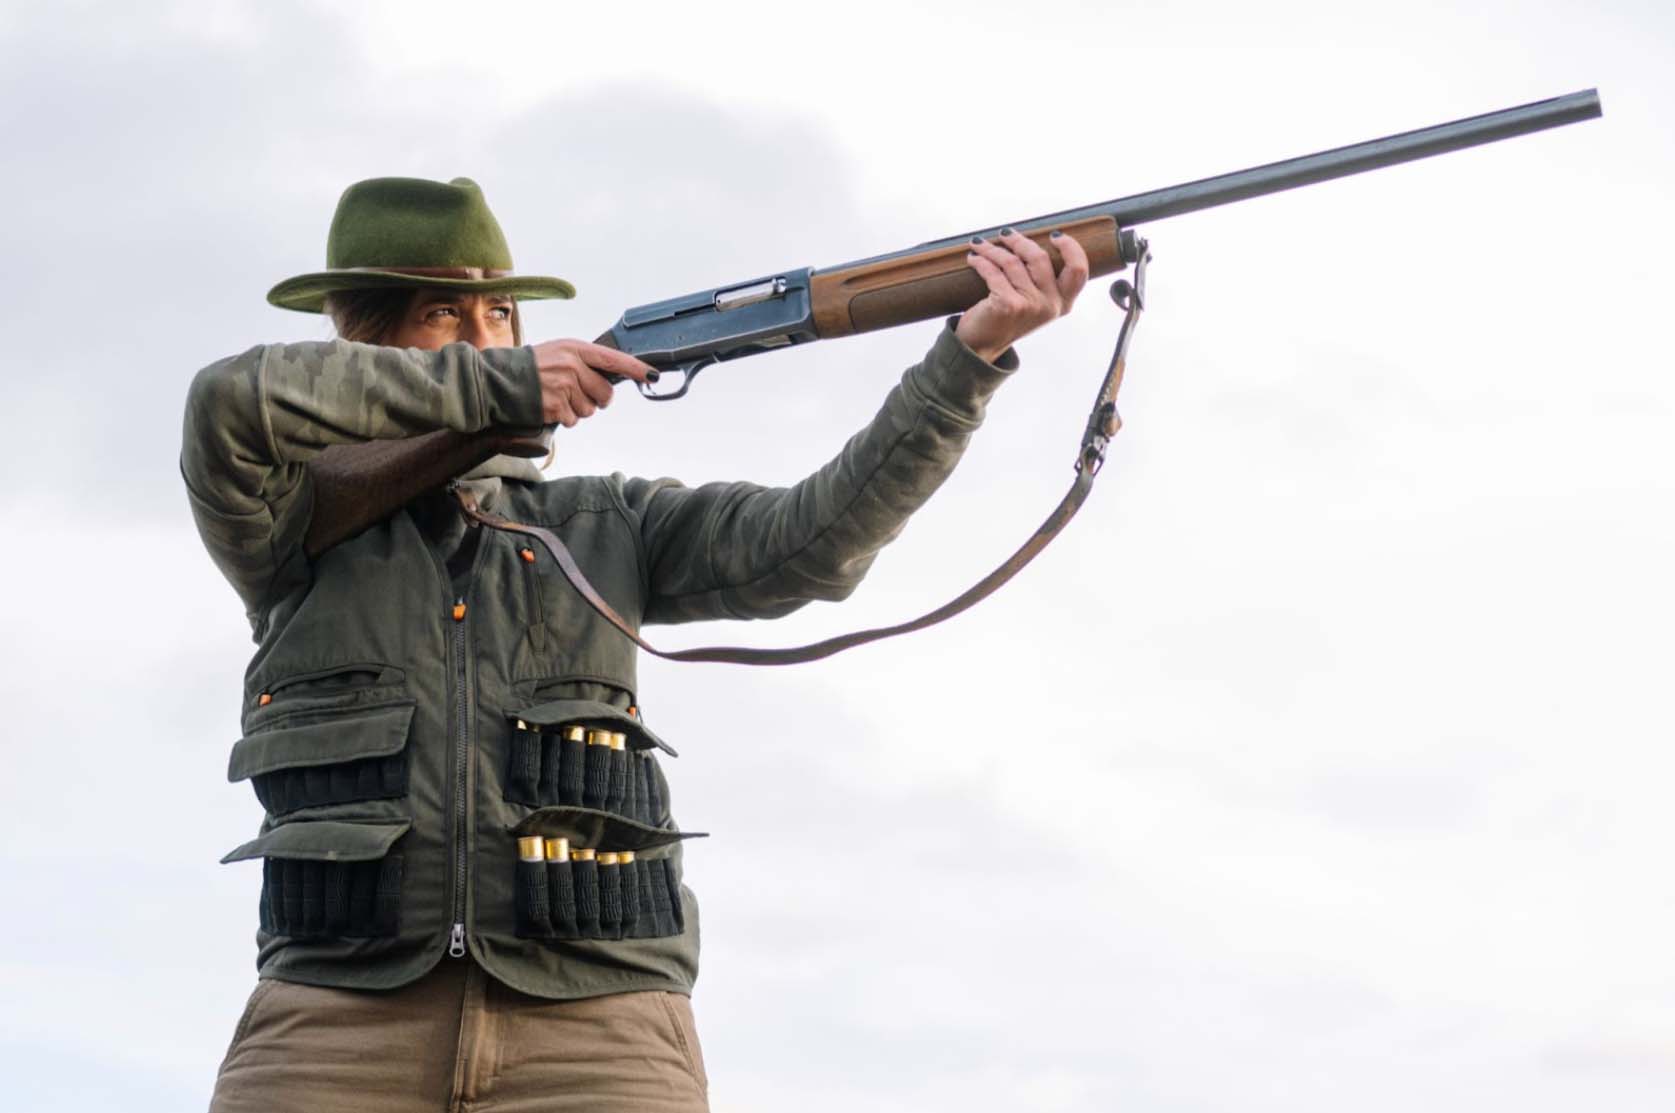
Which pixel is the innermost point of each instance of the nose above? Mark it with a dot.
(474, 327)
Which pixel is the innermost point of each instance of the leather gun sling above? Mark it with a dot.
(1102, 425)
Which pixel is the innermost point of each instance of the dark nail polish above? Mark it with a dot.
(1057, 235)
(978, 239)
(1006, 232)
(653, 376)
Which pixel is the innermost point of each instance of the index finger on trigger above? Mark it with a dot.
(601, 358)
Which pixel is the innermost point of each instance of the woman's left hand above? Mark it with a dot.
(1024, 293)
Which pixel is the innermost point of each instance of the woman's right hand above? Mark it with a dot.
(573, 383)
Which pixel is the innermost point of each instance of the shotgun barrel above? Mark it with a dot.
(1340, 162)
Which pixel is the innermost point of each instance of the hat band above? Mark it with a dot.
(473, 273)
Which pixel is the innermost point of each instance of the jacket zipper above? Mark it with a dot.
(462, 757)
(462, 737)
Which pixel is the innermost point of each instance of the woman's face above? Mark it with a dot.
(437, 317)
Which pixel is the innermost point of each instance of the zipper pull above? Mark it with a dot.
(459, 611)
(456, 942)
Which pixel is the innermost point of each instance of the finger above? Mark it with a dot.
(562, 413)
(1010, 265)
(1074, 274)
(594, 386)
(580, 404)
(1036, 261)
(602, 358)
(998, 284)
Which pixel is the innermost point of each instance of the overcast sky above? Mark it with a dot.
(1324, 762)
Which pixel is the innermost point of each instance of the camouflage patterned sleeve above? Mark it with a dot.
(737, 550)
(253, 421)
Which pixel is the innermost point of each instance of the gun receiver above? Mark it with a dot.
(356, 485)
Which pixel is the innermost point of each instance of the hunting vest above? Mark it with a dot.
(404, 736)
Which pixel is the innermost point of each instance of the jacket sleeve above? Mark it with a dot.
(738, 550)
(254, 420)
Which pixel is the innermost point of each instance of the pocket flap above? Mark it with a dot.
(600, 830)
(321, 742)
(323, 841)
(589, 712)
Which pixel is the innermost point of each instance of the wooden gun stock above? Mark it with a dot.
(936, 282)
(356, 485)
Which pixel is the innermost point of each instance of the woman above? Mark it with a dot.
(471, 876)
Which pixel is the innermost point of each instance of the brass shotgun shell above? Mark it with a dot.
(599, 738)
(619, 740)
(573, 734)
(625, 857)
(608, 857)
(529, 849)
(581, 854)
(558, 850)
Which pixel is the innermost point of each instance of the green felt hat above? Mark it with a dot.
(414, 232)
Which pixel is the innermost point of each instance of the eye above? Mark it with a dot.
(501, 312)
(438, 313)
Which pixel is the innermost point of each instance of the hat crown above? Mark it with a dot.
(414, 222)
(408, 233)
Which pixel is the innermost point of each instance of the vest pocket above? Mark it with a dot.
(311, 761)
(561, 754)
(325, 880)
(590, 899)
(603, 888)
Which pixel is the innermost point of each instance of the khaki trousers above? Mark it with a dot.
(457, 1041)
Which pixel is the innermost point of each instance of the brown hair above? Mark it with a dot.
(369, 316)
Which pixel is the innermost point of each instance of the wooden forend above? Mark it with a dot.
(935, 283)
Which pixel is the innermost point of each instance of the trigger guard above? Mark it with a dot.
(687, 372)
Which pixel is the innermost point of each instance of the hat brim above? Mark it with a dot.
(307, 292)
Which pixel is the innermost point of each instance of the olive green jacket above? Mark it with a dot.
(394, 728)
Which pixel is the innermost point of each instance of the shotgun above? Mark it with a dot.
(357, 485)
